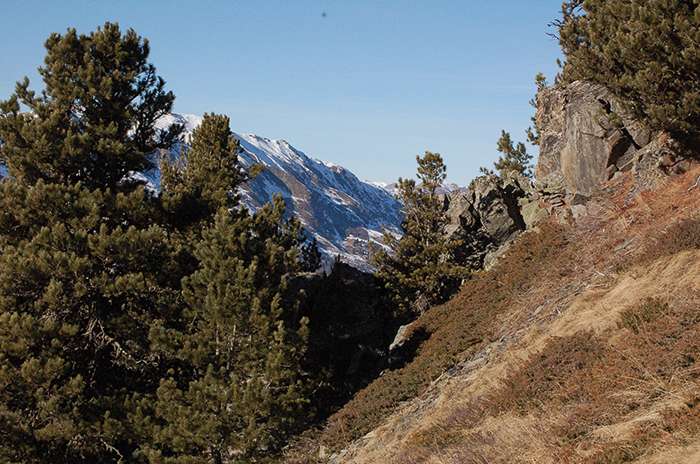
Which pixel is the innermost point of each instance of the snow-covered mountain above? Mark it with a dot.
(344, 213)
(447, 188)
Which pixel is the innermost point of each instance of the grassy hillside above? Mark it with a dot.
(581, 345)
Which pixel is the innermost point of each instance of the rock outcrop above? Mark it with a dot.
(407, 340)
(586, 135)
(489, 214)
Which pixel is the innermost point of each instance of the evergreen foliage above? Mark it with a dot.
(540, 81)
(514, 158)
(339, 302)
(532, 132)
(645, 51)
(94, 121)
(205, 176)
(236, 388)
(421, 265)
(135, 327)
(86, 268)
(311, 257)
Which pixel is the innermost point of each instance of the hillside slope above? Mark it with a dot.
(581, 345)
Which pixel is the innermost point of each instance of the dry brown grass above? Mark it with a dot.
(583, 398)
(454, 331)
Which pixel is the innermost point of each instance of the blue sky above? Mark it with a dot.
(367, 86)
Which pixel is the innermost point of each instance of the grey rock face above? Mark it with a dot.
(586, 135)
(489, 214)
(407, 340)
(400, 338)
(662, 157)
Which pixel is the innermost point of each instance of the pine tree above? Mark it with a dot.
(206, 175)
(421, 264)
(540, 81)
(237, 388)
(532, 132)
(85, 267)
(514, 158)
(311, 256)
(94, 121)
(137, 327)
(645, 51)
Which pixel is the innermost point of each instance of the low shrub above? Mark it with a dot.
(637, 317)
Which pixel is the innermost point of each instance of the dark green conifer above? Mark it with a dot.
(311, 256)
(532, 132)
(421, 264)
(645, 51)
(94, 121)
(137, 327)
(205, 177)
(85, 267)
(514, 158)
(236, 389)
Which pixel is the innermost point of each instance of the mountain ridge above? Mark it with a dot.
(346, 215)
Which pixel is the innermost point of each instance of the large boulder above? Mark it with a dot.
(586, 135)
(489, 214)
(408, 339)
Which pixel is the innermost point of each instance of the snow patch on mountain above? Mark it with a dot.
(188, 121)
(445, 189)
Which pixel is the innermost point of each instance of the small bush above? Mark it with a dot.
(637, 317)
(680, 236)
(548, 375)
(684, 235)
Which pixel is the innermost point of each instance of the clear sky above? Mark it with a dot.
(364, 84)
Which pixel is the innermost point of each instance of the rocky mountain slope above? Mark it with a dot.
(345, 214)
(579, 343)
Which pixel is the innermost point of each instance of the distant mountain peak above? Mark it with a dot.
(445, 189)
(189, 121)
(346, 215)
